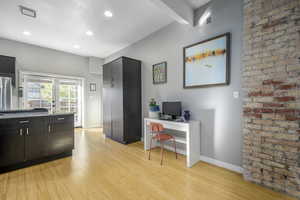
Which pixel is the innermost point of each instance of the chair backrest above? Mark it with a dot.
(156, 127)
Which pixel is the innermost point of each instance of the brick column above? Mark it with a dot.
(271, 81)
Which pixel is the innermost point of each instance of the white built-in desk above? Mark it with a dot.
(191, 137)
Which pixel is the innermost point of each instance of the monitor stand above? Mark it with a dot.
(173, 118)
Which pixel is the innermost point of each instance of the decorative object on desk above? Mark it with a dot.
(93, 87)
(207, 63)
(153, 109)
(187, 115)
(159, 72)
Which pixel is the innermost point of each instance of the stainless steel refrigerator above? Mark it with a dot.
(5, 93)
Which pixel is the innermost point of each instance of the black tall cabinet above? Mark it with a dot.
(122, 100)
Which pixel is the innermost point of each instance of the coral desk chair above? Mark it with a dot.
(156, 133)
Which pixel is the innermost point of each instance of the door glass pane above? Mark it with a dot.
(38, 92)
(69, 98)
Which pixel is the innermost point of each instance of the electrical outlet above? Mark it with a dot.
(236, 94)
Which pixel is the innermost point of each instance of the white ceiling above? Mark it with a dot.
(197, 3)
(60, 24)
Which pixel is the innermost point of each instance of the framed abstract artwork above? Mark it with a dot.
(159, 73)
(207, 63)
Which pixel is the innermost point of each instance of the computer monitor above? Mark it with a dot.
(171, 108)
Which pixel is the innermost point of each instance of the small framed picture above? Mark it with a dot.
(159, 72)
(93, 87)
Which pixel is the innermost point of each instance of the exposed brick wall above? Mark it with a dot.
(271, 80)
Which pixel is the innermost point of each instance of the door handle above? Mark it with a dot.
(27, 131)
(21, 132)
(49, 128)
(60, 118)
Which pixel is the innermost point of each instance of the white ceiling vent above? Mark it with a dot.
(27, 11)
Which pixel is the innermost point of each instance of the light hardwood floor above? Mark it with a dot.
(102, 169)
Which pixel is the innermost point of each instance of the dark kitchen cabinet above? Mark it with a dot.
(8, 67)
(12, 143)
(34, 130)
(116, 100)
(25, 141)
(61, 134)
(122, 100)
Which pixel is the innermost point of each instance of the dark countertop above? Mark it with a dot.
(30, 114)
(25, 110)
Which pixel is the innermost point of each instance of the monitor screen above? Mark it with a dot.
(171, 108)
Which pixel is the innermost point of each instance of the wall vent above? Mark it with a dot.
(27, 11)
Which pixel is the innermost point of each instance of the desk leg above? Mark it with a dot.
(193, 146)
(188, 149)
(146, 137)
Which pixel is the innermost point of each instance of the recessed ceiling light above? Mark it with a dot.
(108, 13)
(26, 33)
(76, 46)
(89, 33)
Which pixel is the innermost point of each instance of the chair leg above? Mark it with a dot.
(175, 147)
(161, 152)
(150, 148)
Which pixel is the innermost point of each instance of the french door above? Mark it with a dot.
(69, 98)
(58, 95)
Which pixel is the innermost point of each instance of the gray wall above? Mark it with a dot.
(38, 59)
(215, 107)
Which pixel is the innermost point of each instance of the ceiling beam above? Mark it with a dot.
(179, 10)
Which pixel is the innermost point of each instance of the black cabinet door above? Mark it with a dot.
(117, 100)
(35, 137)
(12, 144)
(132, 100)
(61, 134)
(107, 84)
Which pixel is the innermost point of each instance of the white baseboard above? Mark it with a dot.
(92, 126)
(225, 165)
(212, 161)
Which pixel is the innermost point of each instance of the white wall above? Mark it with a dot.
(215, 107)
(39, 59)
